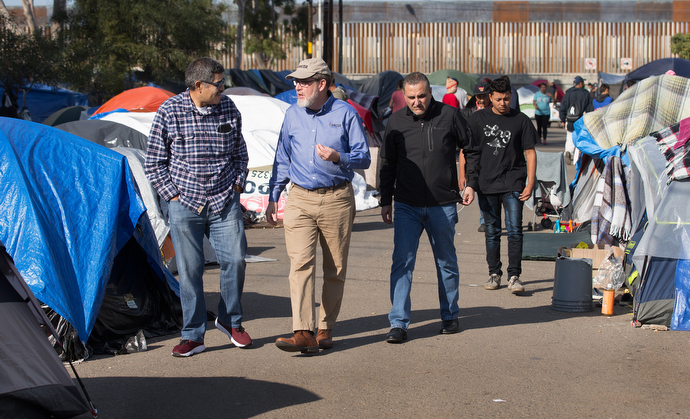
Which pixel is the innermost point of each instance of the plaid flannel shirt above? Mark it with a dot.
(197, 154)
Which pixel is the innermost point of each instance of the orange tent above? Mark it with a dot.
(140, 99)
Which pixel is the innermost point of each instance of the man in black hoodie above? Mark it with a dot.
(575, 103)
(418, 168)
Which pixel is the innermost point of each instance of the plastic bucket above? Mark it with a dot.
(572, 285)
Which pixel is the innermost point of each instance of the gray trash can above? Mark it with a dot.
(572, 285)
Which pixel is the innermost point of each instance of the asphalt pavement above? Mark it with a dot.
(515, 357)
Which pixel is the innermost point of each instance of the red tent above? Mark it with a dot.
(365, 114)
(140, 99)
(560, 94)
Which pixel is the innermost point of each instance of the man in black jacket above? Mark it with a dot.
(575, 103)
(419, 170)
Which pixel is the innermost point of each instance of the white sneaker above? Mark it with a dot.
(493, 283)
(515, 285)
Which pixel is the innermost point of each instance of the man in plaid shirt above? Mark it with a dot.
(197, 161)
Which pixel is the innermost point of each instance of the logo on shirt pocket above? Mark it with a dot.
(335, 125)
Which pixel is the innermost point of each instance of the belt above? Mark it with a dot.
(325, 189)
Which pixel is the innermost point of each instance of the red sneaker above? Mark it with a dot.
(188, 348)
(238, 336)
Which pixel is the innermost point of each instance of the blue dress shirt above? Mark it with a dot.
(336, 125)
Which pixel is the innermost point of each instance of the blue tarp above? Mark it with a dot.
(69, 206)
(289, 96)
(42, 101)
(681, 307)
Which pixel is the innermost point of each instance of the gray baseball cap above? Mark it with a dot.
(308, 68)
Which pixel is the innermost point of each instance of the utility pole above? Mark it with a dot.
(340, 36)
(328, 33)
(310, 44)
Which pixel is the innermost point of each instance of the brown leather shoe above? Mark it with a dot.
(302, 341)
(325, 339)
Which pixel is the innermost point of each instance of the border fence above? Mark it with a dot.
(493, 47)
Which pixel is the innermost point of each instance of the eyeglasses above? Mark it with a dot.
(218, 85)
(303, 83)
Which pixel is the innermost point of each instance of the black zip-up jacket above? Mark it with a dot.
(418, 157)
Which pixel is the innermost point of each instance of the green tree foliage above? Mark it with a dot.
(263, 22)
(262, 39)
(299, 25)
(26, 59)
(680, 44)
(106, 43)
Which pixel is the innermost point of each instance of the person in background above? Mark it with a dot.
(552, 91)
(507, 176)
(480, 100)
(397, 101)
(592, 90)
(603, 99)
(576, 103)
(629, 84)
(320, 144)
(337, 92)
(197, 161)
(542, 111)
(449, 98)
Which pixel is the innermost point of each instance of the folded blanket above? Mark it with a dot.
(611, 212)
(673, 144)
(650, 105)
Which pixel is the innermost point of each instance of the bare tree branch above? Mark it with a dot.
(30, 14)
(6, 13)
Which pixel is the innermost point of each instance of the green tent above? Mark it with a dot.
(465, 81)
(68, 114)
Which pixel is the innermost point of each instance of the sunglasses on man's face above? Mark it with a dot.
(219, 85)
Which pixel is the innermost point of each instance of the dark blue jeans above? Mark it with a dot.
(409, 223)
(490, 205)
(226, 234)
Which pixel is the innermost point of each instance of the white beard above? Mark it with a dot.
(308, 101)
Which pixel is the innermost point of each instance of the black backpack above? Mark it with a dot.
(574, 112)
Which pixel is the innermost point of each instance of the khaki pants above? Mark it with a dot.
(326, 216)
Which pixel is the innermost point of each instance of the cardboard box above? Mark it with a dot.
(595, 252)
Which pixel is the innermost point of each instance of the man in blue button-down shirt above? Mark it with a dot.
(197, 161)
(322, 140)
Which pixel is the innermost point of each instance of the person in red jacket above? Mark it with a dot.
(449, 98)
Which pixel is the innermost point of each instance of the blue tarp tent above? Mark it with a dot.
(69, 207)
(289, 96)
(42, 101)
